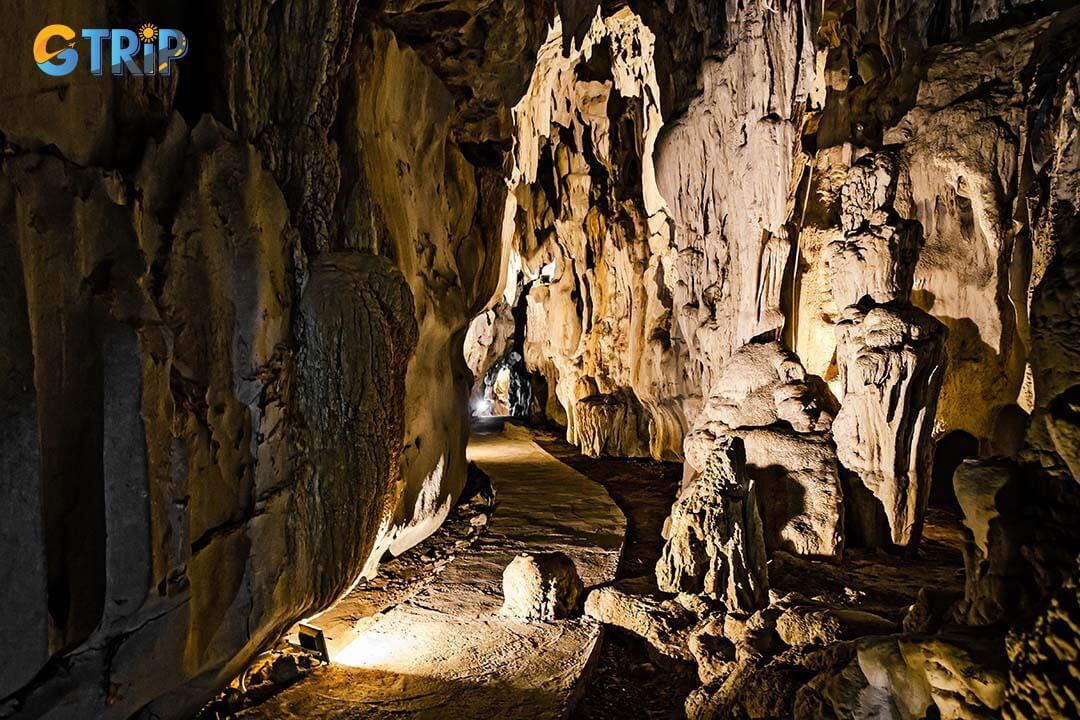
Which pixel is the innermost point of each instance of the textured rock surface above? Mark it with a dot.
(635, 605)
(989, 492)
(715, 546)
(219, 451)
(593, 241)
(541, 587)
(212, 417)
(875, 258)
(903, 676)
(890, 360)
(799, 495)
(207, 371)
(724, 168)
(815, 625)
(1043, 656)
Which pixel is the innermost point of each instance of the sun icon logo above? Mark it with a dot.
(148, 33)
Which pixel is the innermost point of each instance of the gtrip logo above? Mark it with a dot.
(149, 51)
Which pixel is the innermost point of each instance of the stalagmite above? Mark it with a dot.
(764, 396)
(715, 546)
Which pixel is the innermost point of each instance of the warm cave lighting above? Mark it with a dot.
(375, 650)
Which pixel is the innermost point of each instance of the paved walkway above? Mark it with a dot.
(446, 653)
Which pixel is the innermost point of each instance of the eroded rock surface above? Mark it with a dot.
(541, 587)
(715, 546)
(635, 605)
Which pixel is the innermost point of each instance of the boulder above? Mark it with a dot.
(960, 673)
(541, 587)
(636, 606)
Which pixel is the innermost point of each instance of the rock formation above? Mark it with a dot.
(890, 360)
(989, 492)
(250, 307)
(592, 240)
(763, 396)
(541, 588)
(715, 546)
(636, 606)
(904, 677)
(215, 283)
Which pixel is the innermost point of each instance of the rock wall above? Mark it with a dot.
(201, 420)
(236, 299)
(593, 240)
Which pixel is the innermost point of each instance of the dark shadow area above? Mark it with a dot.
(950, 451)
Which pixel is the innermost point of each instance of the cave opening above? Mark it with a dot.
(516, 359)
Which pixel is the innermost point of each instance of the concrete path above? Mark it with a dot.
(446, 653)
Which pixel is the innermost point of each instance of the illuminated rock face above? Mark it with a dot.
(763, 396)
(714, 544)
(218, 416)
(593, 257)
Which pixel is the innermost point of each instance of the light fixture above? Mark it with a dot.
(312, 639)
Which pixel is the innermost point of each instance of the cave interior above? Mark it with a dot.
(589, 359)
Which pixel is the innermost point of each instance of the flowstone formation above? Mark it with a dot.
(236, 307)
(890, 360)
(927, 221)
(783, 417)
(591, 239)
(890, 357)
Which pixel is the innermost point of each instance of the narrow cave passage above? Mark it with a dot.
(540, 359)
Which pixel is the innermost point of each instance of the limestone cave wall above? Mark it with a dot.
(237, 299)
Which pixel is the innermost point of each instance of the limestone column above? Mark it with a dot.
(890, 356)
